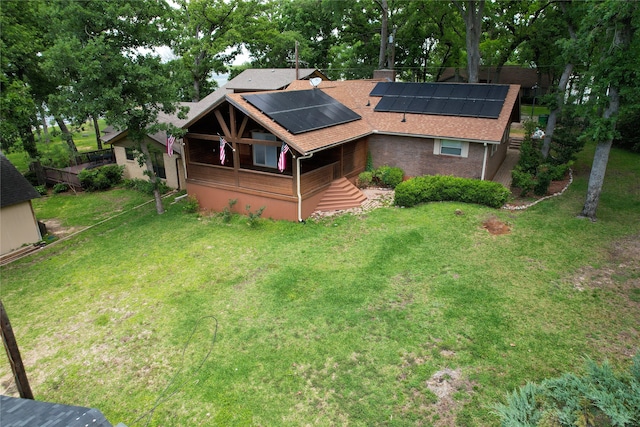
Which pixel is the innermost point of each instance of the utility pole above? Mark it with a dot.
(11, 346)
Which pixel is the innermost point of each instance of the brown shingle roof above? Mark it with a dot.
(354, 94)
(260, 79)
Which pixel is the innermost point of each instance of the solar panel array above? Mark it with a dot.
(302, 110)
(446, 99)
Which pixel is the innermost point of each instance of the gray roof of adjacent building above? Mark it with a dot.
(14, 188)
(16, 412)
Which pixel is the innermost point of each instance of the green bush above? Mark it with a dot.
(387, 176)
(101, 178)
(191, 205)
(525, 181)
(365, 179)
(41, 189)
(440, 188)
(60, 187)
(144, 186)
(392, 176)
(600, 397)
(543, 180)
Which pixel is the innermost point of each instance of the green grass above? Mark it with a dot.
(84, 138)
(335, 322)
(537, 109)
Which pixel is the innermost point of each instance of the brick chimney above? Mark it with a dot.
(390, 75)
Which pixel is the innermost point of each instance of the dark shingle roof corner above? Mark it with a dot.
(14, 188)
(15, 412)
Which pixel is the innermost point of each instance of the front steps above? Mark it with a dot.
(342, 194)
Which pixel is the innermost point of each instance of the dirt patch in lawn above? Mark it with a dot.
(55, 228)
(452, 390)
(617, 285)
(494, 226)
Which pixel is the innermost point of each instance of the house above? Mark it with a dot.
(18, 224)
(533, 83)
(170, 167)
(234, 149)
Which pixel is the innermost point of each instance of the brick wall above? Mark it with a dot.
(415, 156)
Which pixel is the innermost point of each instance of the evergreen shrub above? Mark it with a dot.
(600, 397)
(435, 188)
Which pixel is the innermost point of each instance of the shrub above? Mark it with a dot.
(253, 217)
(600, 397)
(365, 179)
(440, 188)
(227, 212)
(41, 189)
(144, 186)
(60, 187)
(101, 178)
(191, 205)
(525, 181)
(388, 176)
(543, 180)
(392, 176)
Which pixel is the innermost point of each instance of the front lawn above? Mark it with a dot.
(400, 317)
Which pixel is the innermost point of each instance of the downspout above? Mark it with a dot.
(484, 161)
(184, 161)
(298, 184)
(178, 172)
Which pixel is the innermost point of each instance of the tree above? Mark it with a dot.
(472, 12)
(103, 55)
(21, 40)
(608, 31)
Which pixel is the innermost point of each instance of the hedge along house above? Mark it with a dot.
(234, 151)
(171, 168)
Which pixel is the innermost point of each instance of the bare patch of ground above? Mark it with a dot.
(452, 390)
(617, 283)
(55, 228)
(495, 226)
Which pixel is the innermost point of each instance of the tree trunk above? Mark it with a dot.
(384, 33)
(152, 177)
(29, 141)
(96, 128)
(600, 159)
(553, 114)
(472, 15)
(66, 135)
(45, 128)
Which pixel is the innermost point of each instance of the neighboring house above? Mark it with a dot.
(532, 81)
(423, 128)
(18, 224)
(171, 169)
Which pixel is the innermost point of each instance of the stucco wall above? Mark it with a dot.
(174, 170)
(415, 156)
(18, 227)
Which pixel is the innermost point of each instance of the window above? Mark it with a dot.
(494, 148)
(265, 155)
(448, 147)
(157, 160)
(130, 153)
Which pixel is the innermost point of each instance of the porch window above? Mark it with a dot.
(451, 148)
(265, 155)
(157, 160)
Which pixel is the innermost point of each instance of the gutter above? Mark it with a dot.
(484, 161)
(298, 184)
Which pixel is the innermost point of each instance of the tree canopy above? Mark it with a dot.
(75, 59)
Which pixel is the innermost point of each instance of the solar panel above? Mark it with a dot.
(302, 110)
(448, 99)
